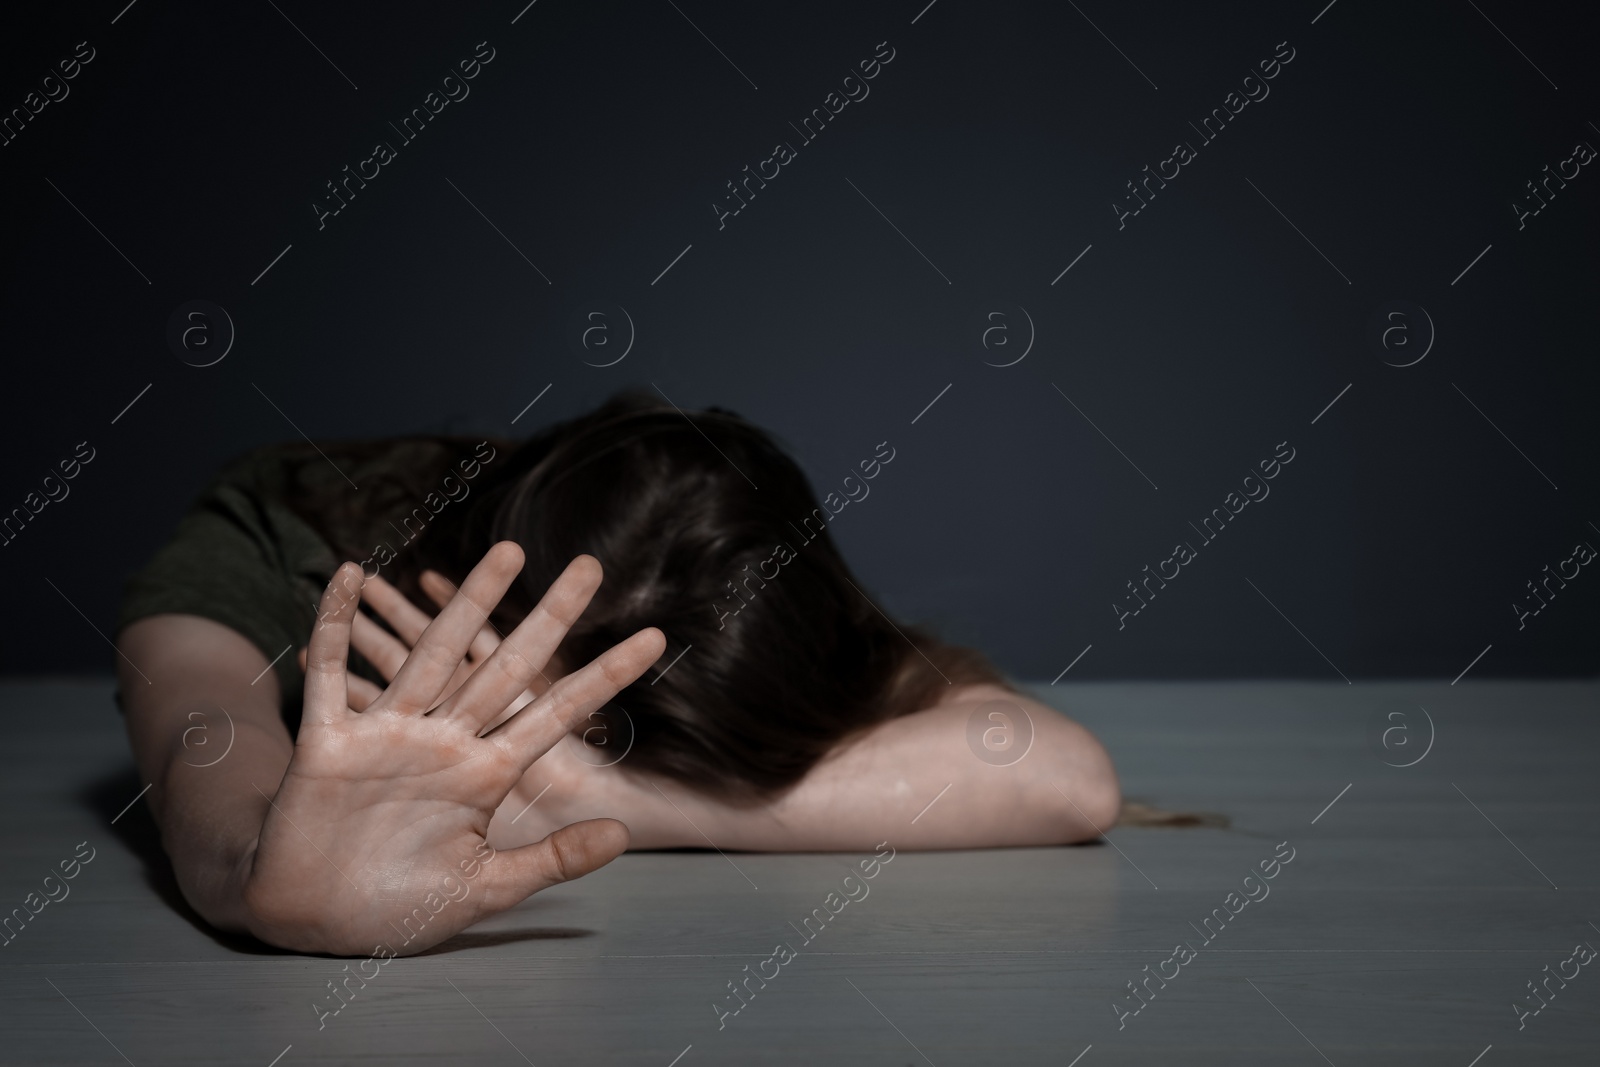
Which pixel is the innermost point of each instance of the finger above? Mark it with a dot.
(326, 695)
(521, 656)
(362, 692)
(439, 651)
(530, 733)
(526, 697)
(408, 620)
(388, 654)
(381, 648)
(511, 876)
(440, 589)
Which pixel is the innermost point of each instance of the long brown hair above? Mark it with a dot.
(768, 672)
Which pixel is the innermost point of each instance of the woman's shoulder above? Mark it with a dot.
(349, 491)
(309, 463)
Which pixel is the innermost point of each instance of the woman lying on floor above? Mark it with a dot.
(726, 683)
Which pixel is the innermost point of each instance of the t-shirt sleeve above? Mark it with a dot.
(241, 558)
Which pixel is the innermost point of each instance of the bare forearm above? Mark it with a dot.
(211, 816)
(918, 783)
(914, 781)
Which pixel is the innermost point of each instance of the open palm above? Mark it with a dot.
(376, 835)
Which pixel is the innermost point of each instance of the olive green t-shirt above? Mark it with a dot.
(256, 549)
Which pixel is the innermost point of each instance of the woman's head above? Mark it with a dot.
(706, 529)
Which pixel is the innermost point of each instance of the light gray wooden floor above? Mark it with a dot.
(1408, 922)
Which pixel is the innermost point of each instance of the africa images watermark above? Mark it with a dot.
(33, 903)
(1395, 735)
(1579, 959)
(783, 554)
(455, 90)
(999, 732)
(1184, 954)
(1184, 153)
(783, 153)
(55, 490)
(1582, 154)
(54, 88)
(452, 489)
(785, 953)
(1185, 553)
(1583, 554)
(434, 903)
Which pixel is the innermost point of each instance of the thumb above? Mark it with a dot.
(513, 875)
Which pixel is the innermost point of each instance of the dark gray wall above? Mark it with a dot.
(857, 287)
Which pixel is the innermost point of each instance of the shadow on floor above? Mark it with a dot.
(107, 796)
(467, 939)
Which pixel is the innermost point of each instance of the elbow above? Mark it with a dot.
(1093, 793)
(1105, 800)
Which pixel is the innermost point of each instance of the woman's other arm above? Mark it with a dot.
(913, 781)
(874, 787)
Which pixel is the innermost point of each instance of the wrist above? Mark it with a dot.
(535, 806)
(588, 781)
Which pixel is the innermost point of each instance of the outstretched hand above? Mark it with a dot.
(385, 811)
(387, 651)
